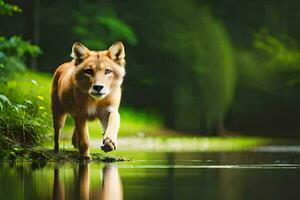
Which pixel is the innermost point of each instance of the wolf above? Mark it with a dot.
(88, 88)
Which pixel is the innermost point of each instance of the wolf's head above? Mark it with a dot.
(98, 73)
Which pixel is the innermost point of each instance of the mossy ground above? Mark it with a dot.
(48, 155)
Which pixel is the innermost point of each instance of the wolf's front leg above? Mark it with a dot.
(111, 131)
(82, 137)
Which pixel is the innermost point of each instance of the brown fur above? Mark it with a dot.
(73, 92)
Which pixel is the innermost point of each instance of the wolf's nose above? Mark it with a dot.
(98, 88)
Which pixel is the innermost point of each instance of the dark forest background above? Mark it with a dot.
(204, 66)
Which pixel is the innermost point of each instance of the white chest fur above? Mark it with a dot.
(110, 109)
(92, 110)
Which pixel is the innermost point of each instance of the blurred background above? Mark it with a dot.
(205, 67)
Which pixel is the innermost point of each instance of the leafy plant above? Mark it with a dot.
(99, 26)
(15, 46)
(13, 52)
(280, 59)
(24, 120)
(8, 9)
(273, 66)
(3, 100)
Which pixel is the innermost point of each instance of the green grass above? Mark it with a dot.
(33, 82)
(24, 110)
(132, 123)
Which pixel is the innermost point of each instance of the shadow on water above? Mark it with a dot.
(232, 176)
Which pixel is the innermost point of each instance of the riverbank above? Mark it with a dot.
(47, 155)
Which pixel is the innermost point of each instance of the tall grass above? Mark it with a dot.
(24, 112)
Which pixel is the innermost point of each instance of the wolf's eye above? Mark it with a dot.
(88, 71)
(108, 71)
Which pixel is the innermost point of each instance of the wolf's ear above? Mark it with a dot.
(117, 53)
(79, 51)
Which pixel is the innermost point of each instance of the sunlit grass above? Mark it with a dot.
(132, 123)
(37, 83)
(24, 110)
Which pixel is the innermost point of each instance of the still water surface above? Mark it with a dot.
(155, 176)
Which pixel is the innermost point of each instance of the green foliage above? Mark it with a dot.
(23, 120)
(9, 66)
(13, 53)
(206, 89)
(22, 124)
(216, 72)
(8, 9)
(273, 66)
(279, 59)
(24, 115)
(4, 100)
(98, 26)
(17, 47)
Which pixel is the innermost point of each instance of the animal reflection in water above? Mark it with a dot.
(111, 188)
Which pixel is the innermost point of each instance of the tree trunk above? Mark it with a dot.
(36, 29)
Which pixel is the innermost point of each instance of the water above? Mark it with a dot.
(260, 174)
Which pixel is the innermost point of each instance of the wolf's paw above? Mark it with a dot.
(108, 145)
